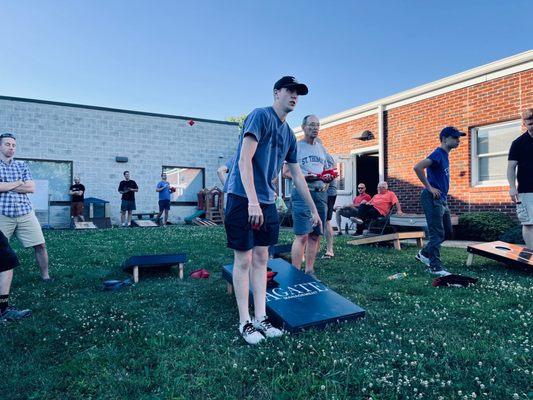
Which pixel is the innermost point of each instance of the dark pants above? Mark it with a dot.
(439, 226)
(367, 212)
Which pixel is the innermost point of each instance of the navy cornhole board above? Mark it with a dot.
(299, 301)
(154, 263)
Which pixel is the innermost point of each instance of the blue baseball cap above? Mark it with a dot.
(451, 131)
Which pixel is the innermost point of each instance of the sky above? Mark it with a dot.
(215, 59)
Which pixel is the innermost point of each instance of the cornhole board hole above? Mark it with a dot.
(143, 223)
(391, 237)
(154, 263)
(299, 301)
(84, 225)
(277, 250)
(507, 253)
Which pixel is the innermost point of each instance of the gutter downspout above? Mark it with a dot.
(381, 142)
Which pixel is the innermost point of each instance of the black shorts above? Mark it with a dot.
(239, 232)
(331, 204)
(164, 205)
(8, 258)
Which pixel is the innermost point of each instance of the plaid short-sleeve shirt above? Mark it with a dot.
(13, 204)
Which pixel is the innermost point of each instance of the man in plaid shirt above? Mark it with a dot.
(16, 212)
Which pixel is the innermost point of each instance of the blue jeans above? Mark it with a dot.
(439, 226)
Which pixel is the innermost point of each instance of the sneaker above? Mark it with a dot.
(357, 220)
(12, 314)
(422, 258)
(438, 271)
(339, 233)
(267, 329)
(250, 334)
(124, 224)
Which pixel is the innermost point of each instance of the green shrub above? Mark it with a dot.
(483, 226)
(513, 235)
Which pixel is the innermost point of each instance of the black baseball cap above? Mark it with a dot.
(290, 82)
(451, 131)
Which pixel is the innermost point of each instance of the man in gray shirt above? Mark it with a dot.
(251, 219)
(312, 161)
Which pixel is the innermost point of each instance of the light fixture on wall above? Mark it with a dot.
(365, 135)
(121, 159)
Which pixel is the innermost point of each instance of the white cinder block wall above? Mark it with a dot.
(92, 138)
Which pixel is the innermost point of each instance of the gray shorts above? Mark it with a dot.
(127, 205)
(301, 214)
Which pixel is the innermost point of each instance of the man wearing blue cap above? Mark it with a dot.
(434, 198)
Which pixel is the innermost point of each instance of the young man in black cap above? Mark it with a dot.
(434, 198)
(251, 218)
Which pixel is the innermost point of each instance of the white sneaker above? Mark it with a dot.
(422, 258)
(124, 224)
(267, 329)
(357, 220)
(438, 272)
(250, 334)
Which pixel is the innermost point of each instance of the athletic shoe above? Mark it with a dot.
(422, 258)
(124, 224)
(266, 328)
(250, 334)
(12, 314)
(339, 233)
(438, 271)
(357, 220)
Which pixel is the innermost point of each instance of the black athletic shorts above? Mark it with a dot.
(239, 232)
(8, 258)
(331, 204)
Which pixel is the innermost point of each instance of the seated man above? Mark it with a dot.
(351, 209)
(380, 205)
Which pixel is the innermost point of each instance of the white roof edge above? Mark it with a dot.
(499, 65)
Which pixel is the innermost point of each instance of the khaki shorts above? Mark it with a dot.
(527, 208)
(26, 228)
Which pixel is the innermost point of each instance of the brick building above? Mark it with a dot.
(60, 140)
(385, 138)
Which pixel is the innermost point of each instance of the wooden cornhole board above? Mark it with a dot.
(390, 237)
(507, 253)
(143, 223)
(203, 222)
(415, 220)
(299, 301)
(154, 263)
(84, 225)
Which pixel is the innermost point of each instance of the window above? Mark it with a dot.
(58, 174)
(187, 181)
(490, 148)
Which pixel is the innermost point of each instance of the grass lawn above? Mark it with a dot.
(171, 339)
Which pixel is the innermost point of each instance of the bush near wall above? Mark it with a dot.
(485, 226)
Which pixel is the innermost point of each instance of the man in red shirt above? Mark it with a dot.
(379, 206)
(351, 209)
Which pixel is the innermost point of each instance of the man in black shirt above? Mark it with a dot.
(521, 157)
(77, 192)
(127, 188)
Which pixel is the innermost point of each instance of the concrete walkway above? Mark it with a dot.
(460, 244)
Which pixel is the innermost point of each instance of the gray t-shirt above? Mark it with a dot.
(312, 160)
(334, 184)
(275, 143)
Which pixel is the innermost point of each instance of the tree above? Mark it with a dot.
(240, 119)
